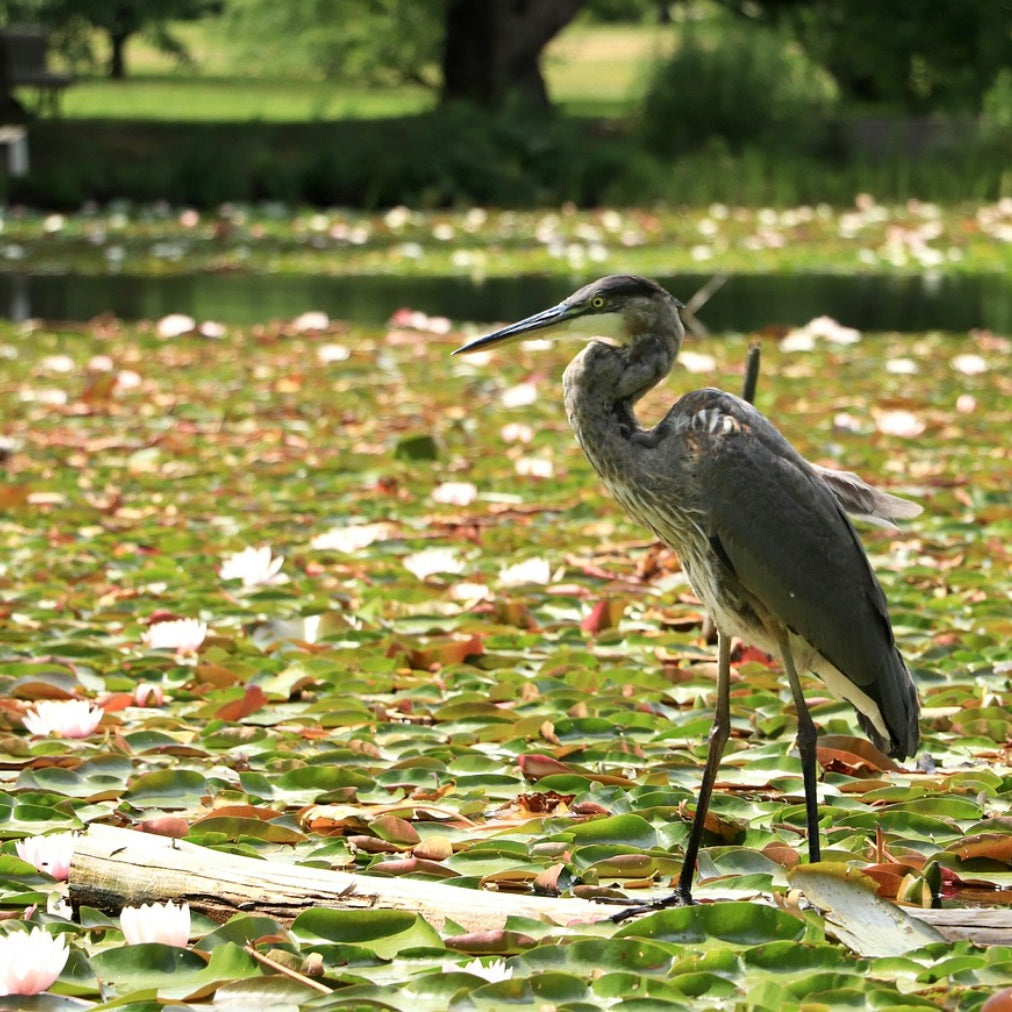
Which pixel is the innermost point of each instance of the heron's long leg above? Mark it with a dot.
(719, 732)
(806, 748)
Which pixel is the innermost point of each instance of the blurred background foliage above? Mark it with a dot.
(377, 102)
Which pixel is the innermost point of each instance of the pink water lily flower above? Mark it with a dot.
(65, 718)
(50, 854)
(156, 922)
(30, 961)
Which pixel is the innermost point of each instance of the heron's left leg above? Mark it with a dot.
(719, 733)
(807, 738)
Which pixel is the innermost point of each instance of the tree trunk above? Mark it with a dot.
(117, 57)
(492, 49)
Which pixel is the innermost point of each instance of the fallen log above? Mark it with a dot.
(113, 868)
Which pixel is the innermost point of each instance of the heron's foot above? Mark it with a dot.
(679, 898)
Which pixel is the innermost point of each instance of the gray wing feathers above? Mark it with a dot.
(792, 547)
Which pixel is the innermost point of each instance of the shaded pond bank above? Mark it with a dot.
(745, 303)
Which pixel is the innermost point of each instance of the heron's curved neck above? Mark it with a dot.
(601, 386)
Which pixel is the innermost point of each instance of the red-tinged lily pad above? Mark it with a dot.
(412, 866)
(989, 846)
(395, 830)
(165, 825)
(439, 654)
(252, 699)
(491, 943)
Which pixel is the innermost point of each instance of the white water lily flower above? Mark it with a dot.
(470, 592)
(327, 353)
(65, 718)
(175, 325)
(516, 432)
(350, 539)
(534, 467)
(310, 320)
(969, 364)
(899, 423)
(253, 566)
(156, 922)
(431, 561)
(696, 361)
(30, 961)
(528, 571)
(519, 396)
(902, 367)
(493, 972)
(50, 854)
(184, 635)
(455, 493)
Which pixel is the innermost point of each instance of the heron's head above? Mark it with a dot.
(620, 306)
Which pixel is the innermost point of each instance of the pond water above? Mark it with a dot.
(745, 303)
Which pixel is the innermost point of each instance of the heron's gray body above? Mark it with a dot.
(763, 535)
(716, 482)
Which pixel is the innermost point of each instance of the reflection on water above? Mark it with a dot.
(745, 303)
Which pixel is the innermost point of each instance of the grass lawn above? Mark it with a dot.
(591, 70)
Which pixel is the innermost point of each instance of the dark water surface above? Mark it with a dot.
(747, 302)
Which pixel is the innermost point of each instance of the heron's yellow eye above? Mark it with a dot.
(597, 302)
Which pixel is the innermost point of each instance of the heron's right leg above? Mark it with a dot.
(807, 739)
(719, 733)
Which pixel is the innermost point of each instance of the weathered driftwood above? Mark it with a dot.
(113, 868)
(985, 926)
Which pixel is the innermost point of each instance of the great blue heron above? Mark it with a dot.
(761, 533)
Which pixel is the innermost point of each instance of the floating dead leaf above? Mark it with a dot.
(862, 920)
(782, 854)
(438, 654)
(511, 881)
(849, 754)
(553, 880)
(434, 848)
(252, 700)
(887, 877)
(216, 675)
(14, 496)
(625, 866)
(371, 844)
(536, 766)
(606, 614)
(240, 812)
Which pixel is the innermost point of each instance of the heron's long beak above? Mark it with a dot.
(562, 313)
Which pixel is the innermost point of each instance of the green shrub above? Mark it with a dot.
(747, 85)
